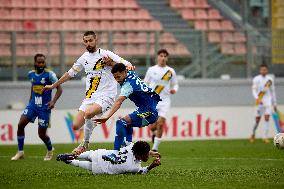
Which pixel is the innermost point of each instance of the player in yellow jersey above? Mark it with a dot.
(263, 91)
(163, 80)
(101, 87)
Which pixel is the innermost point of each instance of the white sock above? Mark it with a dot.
(156, 144)
(88, 129)
(83, 164)
(266, 129)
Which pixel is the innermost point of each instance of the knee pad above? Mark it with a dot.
(121, 127)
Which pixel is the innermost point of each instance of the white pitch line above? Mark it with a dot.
(193, 158)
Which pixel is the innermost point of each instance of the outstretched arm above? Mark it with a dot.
(114, 108)
(55, 98)
(63, 79)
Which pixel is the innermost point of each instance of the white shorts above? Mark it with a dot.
(104, 101)
(263, 110)
(163, 108)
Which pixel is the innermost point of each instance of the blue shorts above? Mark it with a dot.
(43, 115)
(141, 118)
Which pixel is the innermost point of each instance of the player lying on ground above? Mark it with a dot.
(128, 159)
(101, 88)
(145, 99)
(162, 79)
(263, 91)
(39, 106)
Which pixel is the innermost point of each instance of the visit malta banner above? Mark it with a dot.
(201, 123)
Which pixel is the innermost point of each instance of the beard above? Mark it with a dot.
(39, 69)
(91, 49)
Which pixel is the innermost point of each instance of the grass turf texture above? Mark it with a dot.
(190, 164)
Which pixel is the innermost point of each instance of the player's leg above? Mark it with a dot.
(43, 124)
(259, 110)
(153, 128)
(160, 124)
(267, 113)
(86, 155)
(83, 164)
(24, 120)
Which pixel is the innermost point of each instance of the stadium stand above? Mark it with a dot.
(37, 23)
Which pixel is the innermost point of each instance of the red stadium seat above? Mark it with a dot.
(29, 25)
(227, 48)
(30, 3)
(200, 25)
(167, 38)
(240, 49)
(81, 3)
(94, 14)
(227, 37)
(68, 25)
(42, 13)
(18, 3)
(188, 14)
(214, 25)
(143, 14)
(131, 4)
(68, 13)
(55, 13)
(94, 4)
(201, 14)
(42, 25)
(105, 25)
(131, 25)
(188, 3)
(118, 4)
(69, 3)
(201, 4)
(5, 38)
(227, 25)
(81, 14)
(93, 25)
(176, 3)
(118, 25)
(119, 14)
(106, 4)
(6, 3)
(15, 14)
(214, 14)
(5, 51)
(131, 14)
(214, 37)
(154, 25)
(43, 4)
(239, 37)
(55, 3)
(106, 14)
(119, 38)
(30, 13)
(81, 25)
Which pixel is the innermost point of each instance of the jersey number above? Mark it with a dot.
(94, 83)
(121, 158)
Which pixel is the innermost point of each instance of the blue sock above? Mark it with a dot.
(48, 144)
(129, 132)
(21, 140)
(120, 133)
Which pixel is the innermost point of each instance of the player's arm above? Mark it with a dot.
(254, 91)
(118, 59)
(76, 68)
(174, 83)
(125, 91)
(156, 162)
(53, 79)
(115, 107)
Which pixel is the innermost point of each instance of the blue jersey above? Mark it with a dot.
(39, 99)
(138, 92)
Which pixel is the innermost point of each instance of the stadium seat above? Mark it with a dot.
(81, 3)
(80, 25)
(188, 14)
(55, 3)
(201, 14)
(43, 4)
(176, 3)
(94, 14)
(105, 25)
(119, 14)
(68, 13)
(239, 37)
(240, 49)
(94, 4)
(154, 25)
(42, 13)
(214, 14)
(30, 3)
(68, 25)
(30, 13)
(167, 38)
(93, 25)
(6, 3)
(15, 13)
(5, 38)
(214, 25)
(214, 37)
(81, 13)
(130, 25)
(118, 4)
(119, 38)
(143, 14)
(69, 3)
(42, 25)
(200, 25)
(227, 48)
(227, 37)
(55, 13)
(227, 25)
(201, 4)
(188, 3)
(17, 3)
(106, 4)
(29, 26)
(5, 51)
(106, 14)
(118, 25)
(131, 4)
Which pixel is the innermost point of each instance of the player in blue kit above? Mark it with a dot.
(39, 106)
(144, 98)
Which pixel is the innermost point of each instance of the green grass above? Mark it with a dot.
(191, 164)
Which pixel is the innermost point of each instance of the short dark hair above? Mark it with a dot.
(263, 65)
(38, 55)
(141, 148)
(90, 33)
(164, 51)
(119, 67)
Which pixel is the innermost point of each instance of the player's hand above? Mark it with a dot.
(51, 104)
(108, 61)
(130, 67)
(100, 120)
(47, 88)
(172, 91)
(156, 162)
(258, 101)
(154, 154)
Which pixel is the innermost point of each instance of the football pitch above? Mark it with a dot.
(185, 164)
